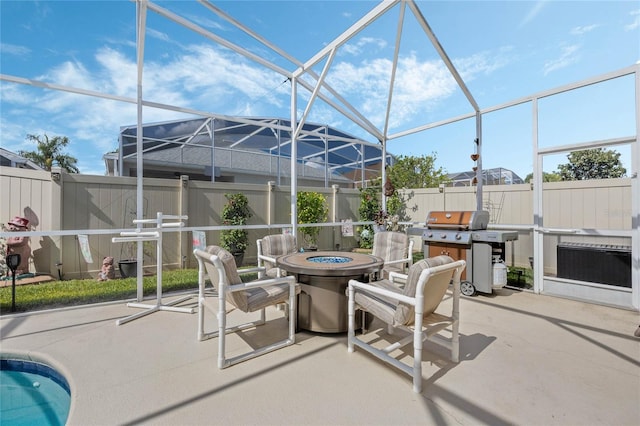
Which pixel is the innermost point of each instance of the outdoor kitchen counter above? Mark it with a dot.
(323, 278)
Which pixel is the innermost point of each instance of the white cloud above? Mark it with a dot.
(119, 73)
(420, 85)
(582, 30)
(13, 49)
(157, 34)
(202, 78)
(205, 77)
(361, 45)
(569, 55)
(533, 12)
(205, 22)
(636, 21)
(218, 80)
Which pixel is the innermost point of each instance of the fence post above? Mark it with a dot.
(271, 204)
(57, 194)
(337, 238)
(183, 210)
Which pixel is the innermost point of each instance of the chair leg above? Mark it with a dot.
(201, 309)
(417, 360)
(351, 334)
(222, 332)
(291, 315)
(455, 342)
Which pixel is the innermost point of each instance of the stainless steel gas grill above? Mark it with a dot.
(464, 235)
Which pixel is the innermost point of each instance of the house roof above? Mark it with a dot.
(495, 176)
(11, 159)
(258, 141)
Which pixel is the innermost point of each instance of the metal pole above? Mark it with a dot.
(13, 291)
(294, 157)
(13, 261)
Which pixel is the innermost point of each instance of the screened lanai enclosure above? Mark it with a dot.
(248, 150)
(188, 134)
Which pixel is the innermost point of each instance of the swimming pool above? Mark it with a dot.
(32, 393)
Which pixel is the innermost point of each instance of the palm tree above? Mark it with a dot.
(50, 152)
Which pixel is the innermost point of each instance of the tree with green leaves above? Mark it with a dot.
(416, 172)
(407, 172)
(235, 212)
(50, 152)
(312, 208)
(410, 172)
(546, 177)
(597, 163)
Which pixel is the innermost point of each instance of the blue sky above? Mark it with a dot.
(504, 50)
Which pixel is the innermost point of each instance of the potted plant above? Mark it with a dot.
(235, 212)
(128, 263)
(312, 208)
(380, 219)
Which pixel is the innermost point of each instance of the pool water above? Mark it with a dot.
(32, 393)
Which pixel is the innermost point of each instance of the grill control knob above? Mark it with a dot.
(458, 236)
(429, 234)
(443, 236)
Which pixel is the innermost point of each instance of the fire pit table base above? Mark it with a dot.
(323, 278)
(322, 303)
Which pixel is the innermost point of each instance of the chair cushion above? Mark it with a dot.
(380, 306)
(261, 297)
(237, 298)
(277, 245)
(405, 314)
(251, 299)
(391, 246)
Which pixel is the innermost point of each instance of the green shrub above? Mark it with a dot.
(235, 212)
(312, 208)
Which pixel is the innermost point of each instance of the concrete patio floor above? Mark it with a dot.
(525, 359)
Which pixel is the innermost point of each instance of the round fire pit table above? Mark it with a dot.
(323, 278)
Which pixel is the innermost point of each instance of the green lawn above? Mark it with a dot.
(520, 277)
(56, 294)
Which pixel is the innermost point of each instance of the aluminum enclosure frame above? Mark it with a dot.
(301, 76)
(351, 113)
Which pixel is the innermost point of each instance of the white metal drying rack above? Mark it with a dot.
(153, 234)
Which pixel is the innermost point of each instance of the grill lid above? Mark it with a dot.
(459, 220)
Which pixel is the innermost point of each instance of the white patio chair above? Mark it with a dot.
(396, 248)
(271, 247)
(412, 309)
(253, 296)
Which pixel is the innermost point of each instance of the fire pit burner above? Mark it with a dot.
(329, 259)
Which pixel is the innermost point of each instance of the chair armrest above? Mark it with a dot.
(357, 285)
(250, 270)
(262, 283)
(393, 262)
(397, 277)
(203, 254)
(267, 258)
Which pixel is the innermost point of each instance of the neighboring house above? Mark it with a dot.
(11, 159)
(246, 150)
(497, 176)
